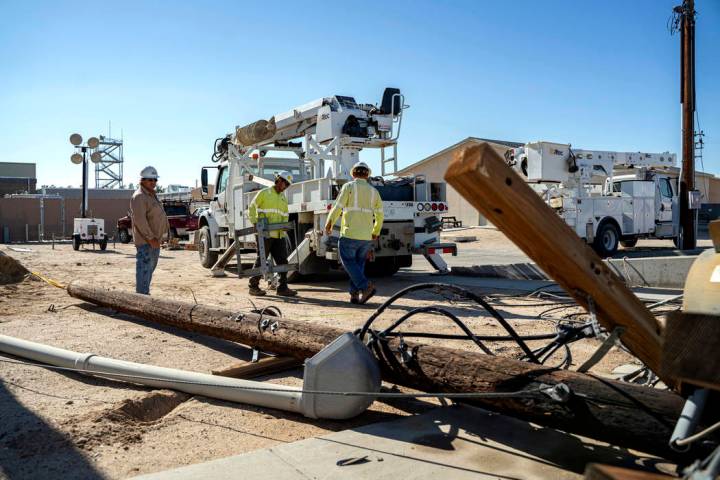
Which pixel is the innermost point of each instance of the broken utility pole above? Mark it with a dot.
(480, 175)
(686, 17)
(621, 413)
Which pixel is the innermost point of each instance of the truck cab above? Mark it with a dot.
(664, 207)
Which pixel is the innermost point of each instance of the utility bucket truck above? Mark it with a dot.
(608, 198)
(318, 143)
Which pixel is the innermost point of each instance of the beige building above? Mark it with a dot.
(709, 186)
(434, 167)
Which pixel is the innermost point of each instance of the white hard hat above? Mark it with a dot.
(149, 172)
(361, 165)
(285, 175)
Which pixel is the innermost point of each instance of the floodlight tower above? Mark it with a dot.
(86, 230)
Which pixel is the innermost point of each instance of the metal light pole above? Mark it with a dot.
(86, 230)
(92, 143)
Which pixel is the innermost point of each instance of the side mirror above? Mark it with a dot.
(204, 180)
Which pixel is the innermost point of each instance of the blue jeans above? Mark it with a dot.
(353, 254)
(147, 258)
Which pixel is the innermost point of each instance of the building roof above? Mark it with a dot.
(505, 143)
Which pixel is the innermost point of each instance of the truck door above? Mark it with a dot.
(665, 210)
(220, 195)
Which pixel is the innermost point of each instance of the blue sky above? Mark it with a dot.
(174, 75)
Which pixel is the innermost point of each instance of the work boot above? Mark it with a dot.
(284, 291)
(256, 291)
(355, 297)
(367, 293)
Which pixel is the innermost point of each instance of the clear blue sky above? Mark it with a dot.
(174, 75)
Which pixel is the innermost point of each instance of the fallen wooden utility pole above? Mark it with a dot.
(264, 366)
(481, 176)
(621, 413)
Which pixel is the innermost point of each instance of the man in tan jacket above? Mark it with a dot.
(149, 224)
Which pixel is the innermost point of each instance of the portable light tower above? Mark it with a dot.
(86, 230)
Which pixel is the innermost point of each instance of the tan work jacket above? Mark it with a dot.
(149, 221)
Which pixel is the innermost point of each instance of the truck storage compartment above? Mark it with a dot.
(398, 190)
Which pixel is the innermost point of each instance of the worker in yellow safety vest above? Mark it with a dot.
(362, 217)
(270, 206)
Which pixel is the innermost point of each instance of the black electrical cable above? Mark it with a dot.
(458, 291)
(567, 331)
(482, 338)
(220, 148)
(439, 311)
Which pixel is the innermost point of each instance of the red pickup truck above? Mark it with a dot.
(179, 216)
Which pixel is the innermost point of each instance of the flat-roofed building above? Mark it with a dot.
(17, 177)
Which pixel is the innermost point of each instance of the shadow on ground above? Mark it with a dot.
(30, 448)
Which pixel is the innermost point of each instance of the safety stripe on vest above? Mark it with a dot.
(273, 210)
(355, 207)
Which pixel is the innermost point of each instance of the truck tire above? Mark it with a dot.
(76, 242)
(375, 269)
(124, 236)
(387, 266)
(103, 243)
(207, 257)
(629, 243)
(607, 240)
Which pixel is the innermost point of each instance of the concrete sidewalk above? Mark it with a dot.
(455, 442)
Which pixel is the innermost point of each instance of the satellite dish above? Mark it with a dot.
(76, 157)
(96, 156)
(75, 139)
(93, 142)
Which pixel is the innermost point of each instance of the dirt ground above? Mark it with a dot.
(64, 425)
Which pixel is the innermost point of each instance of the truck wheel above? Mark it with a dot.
(76, 242)
(607, 240)
(629, 243)
(385, 268)
(124, 236)
(103, 243)
(207, 257)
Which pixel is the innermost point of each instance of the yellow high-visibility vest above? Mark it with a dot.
(271, 205)
(361, 208)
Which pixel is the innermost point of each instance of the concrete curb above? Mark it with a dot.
(663, 272)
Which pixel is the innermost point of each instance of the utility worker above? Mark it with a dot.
(149, 226)
(270, 206)
(362, 218)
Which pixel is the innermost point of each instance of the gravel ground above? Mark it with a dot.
(63, 425)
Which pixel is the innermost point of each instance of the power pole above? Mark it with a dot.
(686, 18)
